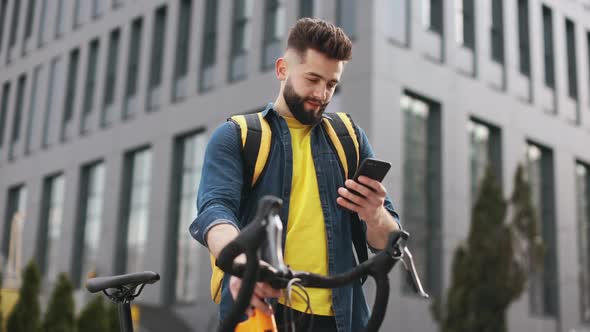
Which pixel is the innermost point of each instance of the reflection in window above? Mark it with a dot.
(133, 67)
(32, 109)
(90, 221)
(14, 219)
(273, 31)
(182, 49)
(51, 227)
(157, 58)
(209, 46)
(240, 39)
(89, 85)
(484, 152)
(346, 16)
(189, 164)
(583, 206)
(138, 168)
(543, 284)
(422, 185)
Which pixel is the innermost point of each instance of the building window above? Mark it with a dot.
(548, 47)
(524, 46)
(306, 8)
(583, 206)
(133, 67)
(70, 95)
(497, 31)
(14, 25)
(543, 284)
(465, 23)
(182, 49)
(18, 110)
(157, 59)
(432, 15)
(484, 151)
(3, 8)
(14, 219)
(42, 23)
(135, 211)
(32, 109)
(59, 20)
(588, 58)
(208, 52)
(97, 8)
(50, 226)
(90, 84)
(88, 228)
(29, 22)
(117, 3)
(54, 74)
(273, 30)
(422, 186)
(240, 39)
(111, 76)
(183, 254)
(571, 59)
(4, 111)
(346, 16)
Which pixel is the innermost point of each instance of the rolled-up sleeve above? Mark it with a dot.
(219, 195)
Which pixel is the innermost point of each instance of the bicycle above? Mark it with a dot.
(123, 290)
(262, 239)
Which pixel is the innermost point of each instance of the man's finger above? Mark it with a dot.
(259, 304)
(264, 290)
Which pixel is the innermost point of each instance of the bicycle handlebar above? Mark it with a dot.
(251, 238)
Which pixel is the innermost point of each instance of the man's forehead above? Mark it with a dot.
(316, 63)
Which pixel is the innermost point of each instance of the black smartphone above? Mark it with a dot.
(372, 168)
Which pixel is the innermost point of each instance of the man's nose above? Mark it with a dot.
(320, 93)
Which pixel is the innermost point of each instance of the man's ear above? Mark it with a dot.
(281, 68)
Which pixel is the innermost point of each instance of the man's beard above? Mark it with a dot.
(297, 107)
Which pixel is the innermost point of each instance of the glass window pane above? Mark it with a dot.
(138, 211)
(187, 258)
(583, 209)
(92, 219)
(55, 221)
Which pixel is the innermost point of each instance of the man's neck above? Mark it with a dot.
(281, 107)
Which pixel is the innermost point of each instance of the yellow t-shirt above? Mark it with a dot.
(306, 247)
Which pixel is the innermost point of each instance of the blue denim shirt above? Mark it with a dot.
(223, 198)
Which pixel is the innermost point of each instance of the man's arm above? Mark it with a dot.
(370, 209)
(375, 209)
(219, 236)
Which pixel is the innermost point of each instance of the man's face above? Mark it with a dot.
(310, 84)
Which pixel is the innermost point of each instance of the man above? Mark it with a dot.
(303, 170)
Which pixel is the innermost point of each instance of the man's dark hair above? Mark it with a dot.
(321, 36)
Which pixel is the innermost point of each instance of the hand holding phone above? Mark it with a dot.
(372, 168)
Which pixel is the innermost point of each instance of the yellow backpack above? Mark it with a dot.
(256, 141)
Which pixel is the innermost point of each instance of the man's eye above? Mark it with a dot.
(313, 80)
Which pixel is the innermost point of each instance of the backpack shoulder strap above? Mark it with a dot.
(342, 133)
(256, 140)
(255, 134)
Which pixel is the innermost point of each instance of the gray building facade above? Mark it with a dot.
(106, 107)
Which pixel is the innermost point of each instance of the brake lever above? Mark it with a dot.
(398, 250)
(411, 274)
